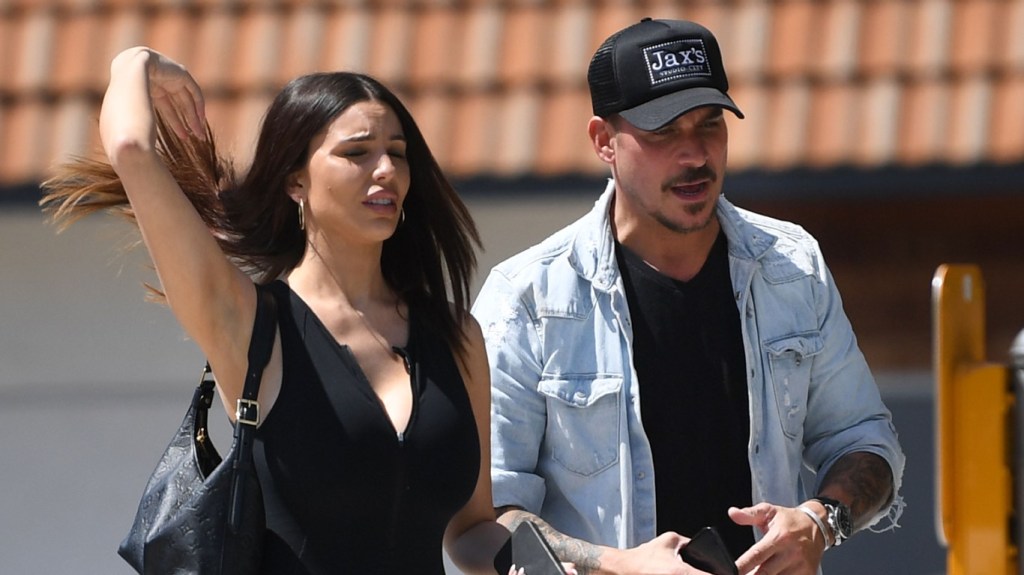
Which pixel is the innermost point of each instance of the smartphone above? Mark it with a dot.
(531, 551)
(707, 552)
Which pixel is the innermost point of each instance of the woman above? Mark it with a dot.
(375, 404)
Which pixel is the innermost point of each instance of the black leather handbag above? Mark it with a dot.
(200, 513)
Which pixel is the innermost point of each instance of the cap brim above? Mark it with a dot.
(658, 112)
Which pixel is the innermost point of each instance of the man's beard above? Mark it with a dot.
(689, 177)
(691, 209)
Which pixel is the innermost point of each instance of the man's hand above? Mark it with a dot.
(792, 543)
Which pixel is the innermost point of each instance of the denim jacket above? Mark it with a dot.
(567, 436)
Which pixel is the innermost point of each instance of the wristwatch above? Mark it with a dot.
(839, 519)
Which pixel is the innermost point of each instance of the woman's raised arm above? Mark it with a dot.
(212, 299)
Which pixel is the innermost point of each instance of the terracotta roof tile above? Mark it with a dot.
(924, 112)
(122, 29)
(713, 14)
(571, 45)
(748, 137)
(74, 130)
(1006, 140)
(610, 17)
(791, 36)
(835, 39)
(1010, 47)
(437, 33)
(260, 31)
(788, 127)
(10, 48)
(517, 124)
(930, 26)
(78, 48)
(970, 106)
(303, 38)
(482, 37)
(474, 143)
(23, 141)
(390, 44)
(883, 37)
(876, 117)
(562, 134)
(347, 43)
(832, 123)
(973, 39)
(500, 87)
(525, 46)
(216, 39)
(35, 38)
(745, 53)
(170, 31)
(434, 114)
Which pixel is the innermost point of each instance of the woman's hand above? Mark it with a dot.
(176, 96)
(141, 81)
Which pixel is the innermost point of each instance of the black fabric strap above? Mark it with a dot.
(261, 344)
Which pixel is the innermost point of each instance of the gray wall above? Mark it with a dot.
(94, 380)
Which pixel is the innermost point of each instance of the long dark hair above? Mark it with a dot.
(256, 223)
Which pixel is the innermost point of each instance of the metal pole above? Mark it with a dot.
(1017, 375)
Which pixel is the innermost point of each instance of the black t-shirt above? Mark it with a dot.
(688, 356)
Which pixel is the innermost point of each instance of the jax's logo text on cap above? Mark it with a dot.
(680, 58)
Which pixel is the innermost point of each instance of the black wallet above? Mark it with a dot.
(530, 551)
(707, 552)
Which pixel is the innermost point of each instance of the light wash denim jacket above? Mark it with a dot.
(567, 438)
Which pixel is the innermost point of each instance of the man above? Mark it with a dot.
(670, 361)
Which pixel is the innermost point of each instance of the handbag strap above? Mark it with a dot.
(247, 412)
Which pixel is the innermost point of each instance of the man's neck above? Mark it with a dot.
(677, 255)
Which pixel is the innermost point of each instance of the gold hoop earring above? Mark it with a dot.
(302, 214)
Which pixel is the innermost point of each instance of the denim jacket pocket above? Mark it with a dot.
(790, 363)
(583, 422)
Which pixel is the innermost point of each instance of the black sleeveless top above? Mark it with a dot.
(345, 492)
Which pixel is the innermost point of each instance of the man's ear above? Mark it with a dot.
(601, 133)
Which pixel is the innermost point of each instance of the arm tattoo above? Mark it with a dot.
(866, 479)
(586, 556)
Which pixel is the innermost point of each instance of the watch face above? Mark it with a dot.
(843, 520)
(839, 519)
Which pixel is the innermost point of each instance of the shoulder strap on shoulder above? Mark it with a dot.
(262, 341)
(247, 414)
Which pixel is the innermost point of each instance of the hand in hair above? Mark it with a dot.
(143, 84)
(176, 96)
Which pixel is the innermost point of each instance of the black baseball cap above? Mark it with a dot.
(657, 70)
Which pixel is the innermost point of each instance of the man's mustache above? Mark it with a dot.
(691, 176)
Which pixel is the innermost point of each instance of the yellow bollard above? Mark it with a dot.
(973, 402)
